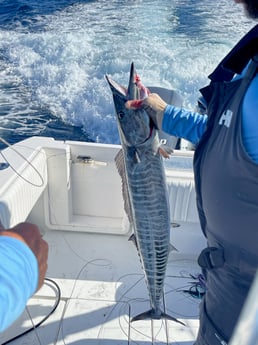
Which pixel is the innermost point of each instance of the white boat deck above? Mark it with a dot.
(102, 287)
(72, 191)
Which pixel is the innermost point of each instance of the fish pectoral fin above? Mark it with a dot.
(137, 157)
(151, 314)
(164, 149)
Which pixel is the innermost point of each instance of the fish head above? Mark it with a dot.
(135, 126)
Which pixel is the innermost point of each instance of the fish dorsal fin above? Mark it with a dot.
(120, 164)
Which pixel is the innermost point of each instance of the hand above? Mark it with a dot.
(30, 235)
(154, 106)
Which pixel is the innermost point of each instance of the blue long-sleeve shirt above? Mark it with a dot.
(191, 125)
(18, 279)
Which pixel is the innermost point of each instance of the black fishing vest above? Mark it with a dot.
(226, 178)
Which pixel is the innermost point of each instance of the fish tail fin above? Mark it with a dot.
(171, 318)
(151, 314)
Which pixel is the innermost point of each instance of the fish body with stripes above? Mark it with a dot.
(144, 188)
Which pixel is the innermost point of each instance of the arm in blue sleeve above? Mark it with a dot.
(183, 123)
(18, 279)
(249, 120)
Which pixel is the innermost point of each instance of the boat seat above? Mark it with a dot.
(183, 211)
(182, 199)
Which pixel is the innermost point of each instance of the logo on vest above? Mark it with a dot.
(226, 118)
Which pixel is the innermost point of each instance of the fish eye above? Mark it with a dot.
(120, 115)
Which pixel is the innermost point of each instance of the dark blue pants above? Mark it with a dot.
(227, 289)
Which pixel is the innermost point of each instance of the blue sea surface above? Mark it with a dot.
(54, 56)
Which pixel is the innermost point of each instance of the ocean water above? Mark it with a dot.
(54, 55)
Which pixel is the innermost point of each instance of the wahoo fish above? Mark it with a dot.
(144, 189)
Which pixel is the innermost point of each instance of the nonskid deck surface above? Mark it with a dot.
(102, 288)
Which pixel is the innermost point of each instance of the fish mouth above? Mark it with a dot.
(152, 128)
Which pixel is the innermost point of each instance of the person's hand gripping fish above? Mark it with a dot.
(155, 107)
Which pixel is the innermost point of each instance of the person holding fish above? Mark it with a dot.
(226, 179)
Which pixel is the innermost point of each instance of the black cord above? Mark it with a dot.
(45, 318)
